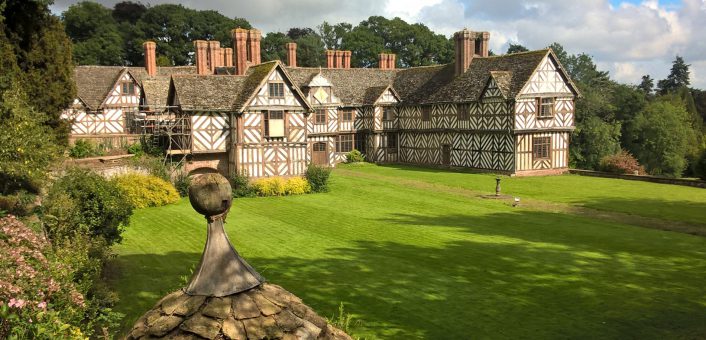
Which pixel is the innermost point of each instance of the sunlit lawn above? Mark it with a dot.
(410, 262)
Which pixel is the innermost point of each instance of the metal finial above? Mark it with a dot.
(221, 271)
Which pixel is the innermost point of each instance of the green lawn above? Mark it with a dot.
(413, 253)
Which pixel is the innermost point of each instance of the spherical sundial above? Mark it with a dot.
(226, 298)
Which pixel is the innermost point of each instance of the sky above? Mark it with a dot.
(627, 38)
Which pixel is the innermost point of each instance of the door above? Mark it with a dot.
(319, 155)
(446, 154)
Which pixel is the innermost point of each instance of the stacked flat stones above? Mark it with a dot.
(265, 312)
(226, 298)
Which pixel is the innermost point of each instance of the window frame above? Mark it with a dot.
(349, 142)
(266, 124)
(541, 145)
(317, 114)
(463, 111)
(345, 112)
(541, 105)
(392, 147)
(129, 86)
(389, 113)
(426, 113)
(271, 85)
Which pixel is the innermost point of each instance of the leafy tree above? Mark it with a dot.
(662, 137)
(94, 33)
(678, 77)
(700, 102)
(592, 140)
(647, 85)
(332, 35)
(128, 11)
(516, 48)
(273, 46)
(42, 51)
(364, 46)
(310, 51)
(295, 33)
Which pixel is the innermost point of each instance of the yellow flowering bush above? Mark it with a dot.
(277, 186)
(146, 190)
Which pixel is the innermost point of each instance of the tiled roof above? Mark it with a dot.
(351, 85)
(93, 83)
(201, 92)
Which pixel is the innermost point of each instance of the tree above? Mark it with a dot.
(42, 51)
(678, 77)
(128, 11)
(94, 33)
(662, 137)
(646, 85)
(273, 46)
(310, 51)
(332, 35)
(592, 140)
(295, 33)
(516, 48)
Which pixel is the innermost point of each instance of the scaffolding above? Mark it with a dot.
(164, 127)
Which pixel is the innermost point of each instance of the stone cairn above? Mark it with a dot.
(226, 298)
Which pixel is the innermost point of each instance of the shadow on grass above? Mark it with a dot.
(506, 275)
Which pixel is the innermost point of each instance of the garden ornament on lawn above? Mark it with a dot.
(226, 298)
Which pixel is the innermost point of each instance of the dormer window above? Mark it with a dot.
(545, 107)
(128, 89)
(388, 113)
(276, 90)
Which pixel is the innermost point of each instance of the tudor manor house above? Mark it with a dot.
(231, 112)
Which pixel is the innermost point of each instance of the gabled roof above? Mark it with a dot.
(374, 94)
(93, 83)
(503, 79)
(351, 85)
(155, 89)
(256, 77)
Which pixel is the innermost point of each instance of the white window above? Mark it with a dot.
(546, 107)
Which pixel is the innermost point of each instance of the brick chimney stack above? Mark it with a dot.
(201, 48)
(240, 38)
(291, 54)
(346, 59)
(391, 61)
(464, 42)
(382, 61)
(254, 37)
(215, 58)
(329, 58)
(339, 59)
(485, 36)
(150, 48)
(228, 57)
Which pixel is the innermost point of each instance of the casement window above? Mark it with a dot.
(545, 107)
(462, 110)
(276, 90)
(541, 147)
(360, 143)
(388, 113)
(128, 89)
(392, 142)
(320, 116)
(344, 143)
(347, 115)
(274, 125)
(426, 113)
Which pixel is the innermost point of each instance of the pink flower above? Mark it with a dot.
(42, 305)
(18, 303)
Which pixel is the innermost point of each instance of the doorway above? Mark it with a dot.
(446, 154)
(319, 154)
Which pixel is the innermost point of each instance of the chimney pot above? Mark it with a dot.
(201, 48)
(346, 59)
(329, 58)
(382, 63)
(215, 56)
(391, 61)
(464, 42)
(339, 59)
(228, 57)
(150, 48)
(254, 37)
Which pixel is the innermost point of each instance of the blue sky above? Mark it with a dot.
(628, 38)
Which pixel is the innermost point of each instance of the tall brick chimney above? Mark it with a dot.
(339, 59)
(228, 57)
(465, 49)
(382, 61)
(201, 49)
(346, 59)
(291, 54)
(254, 37)
(240, 38)
(150, 48)
(485, 39)
(329, 58)
(391, 61)
(215, 58)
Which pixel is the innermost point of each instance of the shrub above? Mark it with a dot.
(98, 208)
(20, 203)
(621, 163)
(181, 183)
(355, 157)
(296, 186)
(135, 149)
(240, 184)
(700, 166)
(83, 149)
(271, 186)
(318, 177)
(146, 191)
(153, 165)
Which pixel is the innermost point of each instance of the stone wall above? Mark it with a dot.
(653, 179)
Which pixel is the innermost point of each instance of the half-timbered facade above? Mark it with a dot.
(510, 113)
